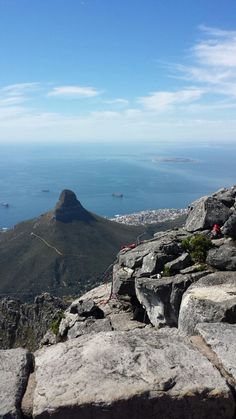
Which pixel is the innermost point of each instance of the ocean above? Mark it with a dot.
(149, 175)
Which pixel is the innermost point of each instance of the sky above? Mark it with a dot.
(117, 70)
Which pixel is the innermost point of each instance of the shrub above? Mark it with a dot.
(197, 246)
(56, 322)
(166, 271)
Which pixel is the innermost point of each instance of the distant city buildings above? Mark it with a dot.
(150, 216)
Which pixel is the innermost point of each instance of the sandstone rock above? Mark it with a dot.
(89, 326)
(86, 308)
(223, 258)
(15, 365)
(146, 259)
(123, 281)
(161, 298)
(27, 401)
(229, 228)
(124, 322)
(180, 263)
(221, 338)
(211, 299)
(205, 212)
(198, 267)
(49, 338)
(124, 374)
(154, 262)
(226, 196)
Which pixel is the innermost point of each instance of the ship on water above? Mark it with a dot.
(117, 195)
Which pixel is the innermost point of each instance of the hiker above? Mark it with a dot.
(216, 232)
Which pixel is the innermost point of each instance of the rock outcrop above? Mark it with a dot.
(211, 299)
(69, 209)
(15, 368)
(23, 324)
(205, 212)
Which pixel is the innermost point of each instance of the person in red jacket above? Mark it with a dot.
(216, 232)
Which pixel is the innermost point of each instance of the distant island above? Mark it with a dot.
(173, 160)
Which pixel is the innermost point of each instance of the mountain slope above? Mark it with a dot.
(64, 251)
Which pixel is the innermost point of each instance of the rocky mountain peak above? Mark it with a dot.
(69, 209)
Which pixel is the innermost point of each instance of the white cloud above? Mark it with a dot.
(217, 53)
(20, 88)
(74, 91)
(118, 101)
(161, 101)
(202, 106)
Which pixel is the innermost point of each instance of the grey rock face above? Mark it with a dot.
(15, 367)
(181, 262)
(223, 258)
(146, 259)
(89, 326)
(155, 373)
(221, 338)
(69, 209)
(86, 308)
(28, 398)
(226, 196)
(161, 298)
(211, 299)
(123, 281)
(229, 228)
(23, 324)
(205, 212)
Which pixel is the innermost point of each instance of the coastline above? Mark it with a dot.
(150, 216)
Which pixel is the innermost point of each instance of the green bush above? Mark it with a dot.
(166, 271)
(197, 246)
(56, 322)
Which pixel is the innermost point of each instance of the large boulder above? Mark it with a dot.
(226, 196)
(161, 298)
(205, 212)
(211, 299)
(148, 258)
(179, 263)
(128, 375)
(223, 257)
(229, 227)
(221, 339)
(15, 369)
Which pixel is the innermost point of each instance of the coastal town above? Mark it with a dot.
(150, 216)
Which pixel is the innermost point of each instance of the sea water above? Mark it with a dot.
(149, 175)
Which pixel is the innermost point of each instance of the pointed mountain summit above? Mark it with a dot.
(69, 209)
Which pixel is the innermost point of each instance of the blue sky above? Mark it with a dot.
(109, 70)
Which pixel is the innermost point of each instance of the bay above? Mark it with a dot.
(149, 175)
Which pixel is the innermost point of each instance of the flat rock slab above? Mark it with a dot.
(129, 375)
(14, 371)
(211, 299)
(221, 338)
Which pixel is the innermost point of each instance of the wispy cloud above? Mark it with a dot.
(161, 101)
(213, 62)
(74, 91)
(20, 88)
(118, 101)
(200, 105)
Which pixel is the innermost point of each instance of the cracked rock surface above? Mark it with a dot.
(122, 374)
